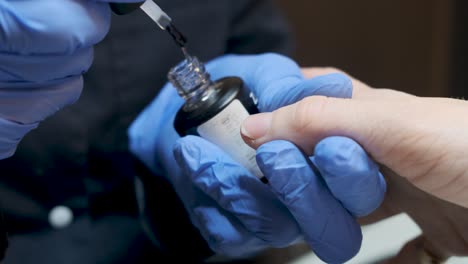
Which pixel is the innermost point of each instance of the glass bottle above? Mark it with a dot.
(214, 110)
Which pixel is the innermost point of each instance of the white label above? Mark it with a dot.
(224, 131)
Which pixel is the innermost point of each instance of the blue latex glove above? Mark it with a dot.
(324, 197)
(45, 47)
(234, 211)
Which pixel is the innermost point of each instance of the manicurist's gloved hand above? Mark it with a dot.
(234, 211)
(45, 47)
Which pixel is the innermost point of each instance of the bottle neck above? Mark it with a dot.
(192, 81)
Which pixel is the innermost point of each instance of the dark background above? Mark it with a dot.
(459, 76)
(417, 46)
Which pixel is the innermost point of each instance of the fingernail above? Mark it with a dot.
(256, 126)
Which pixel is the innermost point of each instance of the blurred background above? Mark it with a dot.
(417, 46)
(414, 46)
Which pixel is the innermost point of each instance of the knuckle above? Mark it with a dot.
(273, 56)
(319, 71)
(331, 70)
(308, 113)
(278, 59)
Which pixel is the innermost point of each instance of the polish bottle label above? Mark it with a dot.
(224, 131)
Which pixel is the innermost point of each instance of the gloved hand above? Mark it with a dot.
(45, 47)
(235, 212)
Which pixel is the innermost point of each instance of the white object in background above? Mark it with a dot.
(60, 217)
(382, 240)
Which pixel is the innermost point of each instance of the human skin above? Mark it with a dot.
(421, 144)
(424, 140)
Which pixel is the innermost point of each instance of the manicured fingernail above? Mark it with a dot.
(256, 126)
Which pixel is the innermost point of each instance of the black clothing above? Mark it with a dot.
(79, 158)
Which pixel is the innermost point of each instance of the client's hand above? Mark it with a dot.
(425, 140)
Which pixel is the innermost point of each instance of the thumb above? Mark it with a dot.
(305, 123)
(418, 138)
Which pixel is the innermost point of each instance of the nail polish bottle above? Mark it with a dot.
(214, 110)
